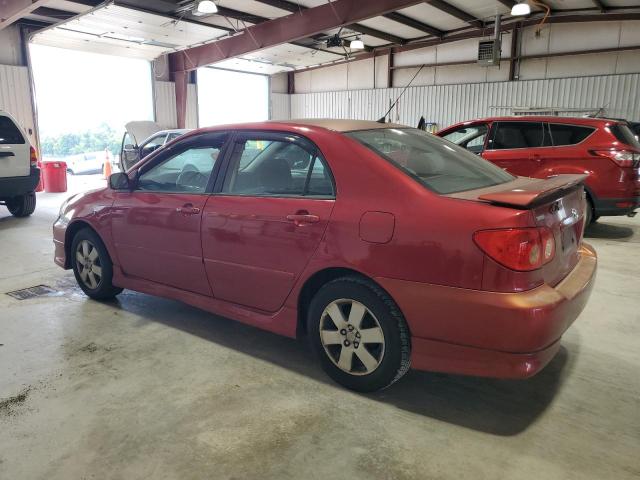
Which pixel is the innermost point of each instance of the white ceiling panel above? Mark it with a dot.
(433, 16)
(125, 30)
(253, 7)
(482, 9)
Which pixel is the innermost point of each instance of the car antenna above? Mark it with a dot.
(383, 119)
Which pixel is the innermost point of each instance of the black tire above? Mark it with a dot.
(96, 286)
(393, 354)
(589, 213)
(23, 205)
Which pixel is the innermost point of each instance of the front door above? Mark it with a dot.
(156, 227)
(518, 147)
(261, 229)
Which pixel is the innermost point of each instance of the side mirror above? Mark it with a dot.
(119, 181)
(128, 147)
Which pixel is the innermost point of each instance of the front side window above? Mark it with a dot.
(438, 165)
(509, 135)
(471, 137)
(287, 167)
(185, 172)
(9, 132)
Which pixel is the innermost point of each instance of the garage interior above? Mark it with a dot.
(146, 387)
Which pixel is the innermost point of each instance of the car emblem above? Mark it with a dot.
(555, 206)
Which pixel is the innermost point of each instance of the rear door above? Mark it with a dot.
(521, 148)
(14, 150)
(262, 227)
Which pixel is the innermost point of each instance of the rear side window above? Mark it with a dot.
(9, 133)
(509, 135)
(568, 134)
(439, 165)
(624, 134)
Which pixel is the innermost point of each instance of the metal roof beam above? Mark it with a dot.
(311, 21)
(410, 22)
(13, 10)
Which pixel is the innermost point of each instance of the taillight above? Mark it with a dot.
(521, 249)
(33, 157)
(623, 158)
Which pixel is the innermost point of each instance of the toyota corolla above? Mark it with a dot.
(387, 247)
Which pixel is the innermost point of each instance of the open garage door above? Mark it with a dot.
(229, 97)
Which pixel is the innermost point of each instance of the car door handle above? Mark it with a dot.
(302, 218)
(188, 209)
(7, 154)
(536, 157)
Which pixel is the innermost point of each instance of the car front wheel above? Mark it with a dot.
(23, 205)
(359, 334)
(92, 265)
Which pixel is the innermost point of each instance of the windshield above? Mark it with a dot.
(624, 134)
(438, 164)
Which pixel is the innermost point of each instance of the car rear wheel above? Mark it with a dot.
(23, 205)
(358, 334)
(92, 266)
(589, 213)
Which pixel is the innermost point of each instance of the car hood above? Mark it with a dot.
(140, 130)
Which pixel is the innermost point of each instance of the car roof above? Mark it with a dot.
(337, 125)
(590, 121)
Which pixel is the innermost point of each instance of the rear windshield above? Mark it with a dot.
(439, 165)
(624, 134)
(9, 133)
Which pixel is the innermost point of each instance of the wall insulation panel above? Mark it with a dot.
(617, 95)
(166, 117)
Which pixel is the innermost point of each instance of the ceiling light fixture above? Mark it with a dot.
(520, 9)
(206, 6)
(356, 44)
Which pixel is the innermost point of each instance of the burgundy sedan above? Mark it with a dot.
(387, 247)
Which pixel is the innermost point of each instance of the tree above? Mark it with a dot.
(72, 143)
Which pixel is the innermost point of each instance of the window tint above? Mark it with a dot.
(470, 137)
(624, 134)
(517, 135)
(186, 172)
(277, 167)
(9, 132)
(568, 134)
(437, 164)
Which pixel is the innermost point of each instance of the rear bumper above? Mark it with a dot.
(506, 335)
(15, 186)
(615, 206)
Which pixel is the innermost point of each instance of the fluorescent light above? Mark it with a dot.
(520, 9)
(356, 44)
(207, 6)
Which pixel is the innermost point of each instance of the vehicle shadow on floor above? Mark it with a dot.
(499, 407)
(608, 231)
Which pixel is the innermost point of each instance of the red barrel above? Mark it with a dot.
(55, 176)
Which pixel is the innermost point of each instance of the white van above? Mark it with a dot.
(19, 172)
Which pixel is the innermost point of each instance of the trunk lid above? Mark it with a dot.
(557, 203)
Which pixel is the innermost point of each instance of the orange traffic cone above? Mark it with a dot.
(106, 166)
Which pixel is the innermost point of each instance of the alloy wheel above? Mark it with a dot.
(352, 337)
(88, 264)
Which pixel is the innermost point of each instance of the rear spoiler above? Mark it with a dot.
(535, 192)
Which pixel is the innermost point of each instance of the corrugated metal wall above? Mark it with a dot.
(618, 95)
(166, 105)
(280, 106)
(15, 97)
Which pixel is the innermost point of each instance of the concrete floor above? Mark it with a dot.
(149, 388)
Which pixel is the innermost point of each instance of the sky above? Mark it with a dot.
(231, 97)
(76, 91)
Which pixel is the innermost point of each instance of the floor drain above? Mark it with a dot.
(32, 292)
